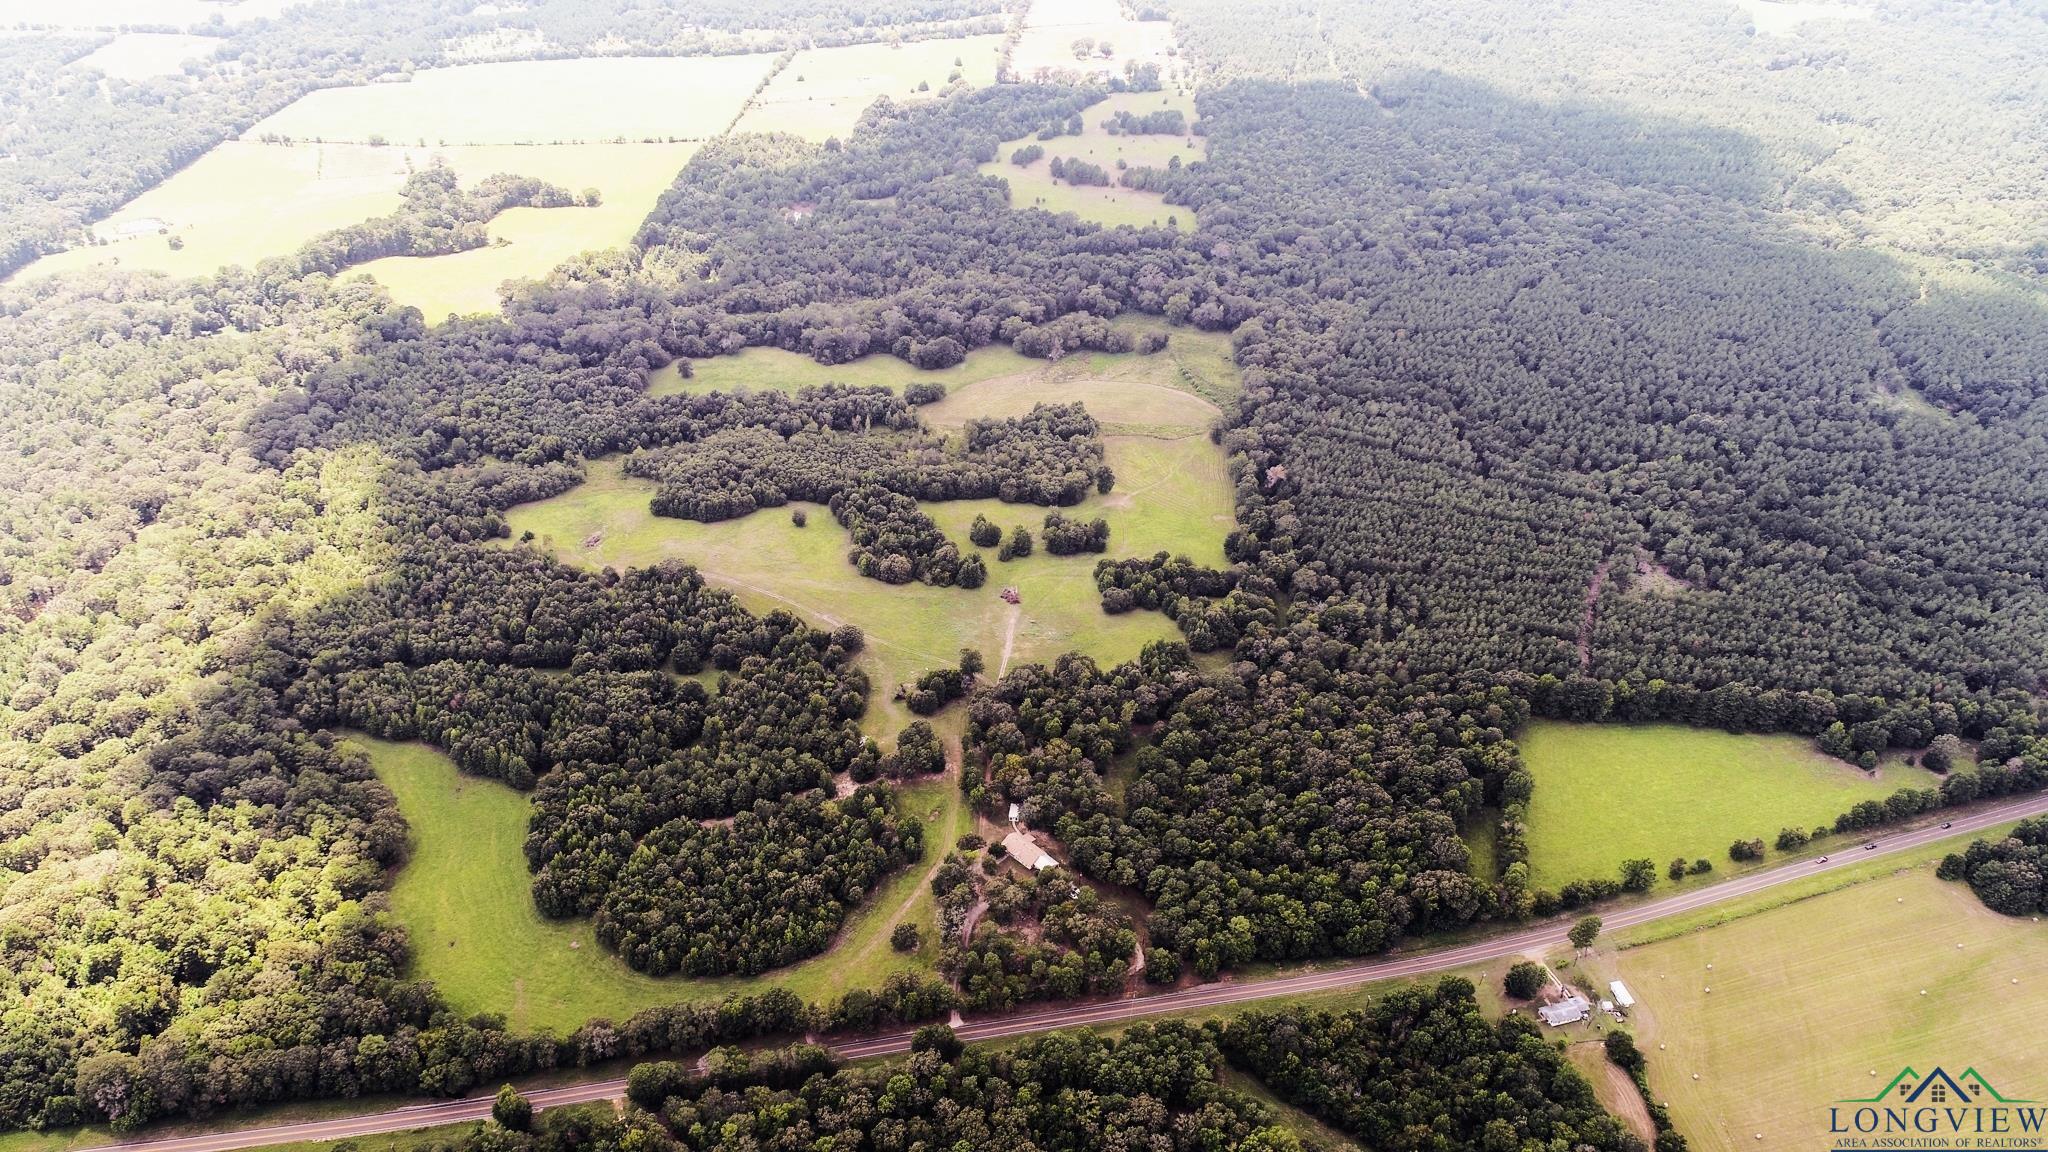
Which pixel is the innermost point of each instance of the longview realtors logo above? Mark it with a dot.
(1939, 1112)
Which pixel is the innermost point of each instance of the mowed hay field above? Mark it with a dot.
(1051, 27)
(465, 897)
(1173, 494)
(627, 98)
(1810, 999)
(823, 91)
(1606, 793)
(309, 189)
(529, 242)
(1032, 185)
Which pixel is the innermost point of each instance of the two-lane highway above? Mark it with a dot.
(1537, 938)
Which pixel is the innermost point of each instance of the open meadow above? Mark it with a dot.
(1032, 185)
(466, 899)
(1051, 27)
(823, 91)
(624, 98)
(150, 13)
(141, 55)
(1606, 793)
(1827, 999)
(1172, 494)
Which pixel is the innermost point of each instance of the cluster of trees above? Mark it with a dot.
(1077, 171)
(2009, 875)
(437, 216)
(1422, 1068)
(1354, 786)
(1155, 1086)
(1064, 537)
(1162, 122)
(1045, 937)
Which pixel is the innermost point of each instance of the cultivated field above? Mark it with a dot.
(533, 241)
(1609, 792)
(141, 55)
(1032, 185)
(823, 91)
(1828, 999)
(629, 98)
(466, 899)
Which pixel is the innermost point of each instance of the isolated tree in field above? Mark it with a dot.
(973, 573)
(1584, 933)
(904, 938)
(512, 1110)
(971, 662)
(1638, 875)
(1524, 980)
(1701, 867)
(983, 533)
(797, 517)
(1677, 869)
(1746, 850)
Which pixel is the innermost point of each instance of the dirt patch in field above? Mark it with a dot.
(1616, 1092)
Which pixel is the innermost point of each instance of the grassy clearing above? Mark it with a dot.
(532, 241)
(465, 898)
(1032, 185)
(1613, 1088)
(1608, 792)
(308, 189)
(823, 91)
(1307, 1128)
(141, 55)
(533, 102)
(1810, 999)
(1173, 494)
(1047, 46)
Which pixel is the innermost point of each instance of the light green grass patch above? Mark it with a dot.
(529, 242)
(823, 91)
(623, 98)
(1823, 1000)
(142, 55)
(1032, 185)
(774, 370)
(465, 897)
(1606, 793)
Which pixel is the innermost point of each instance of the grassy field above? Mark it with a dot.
(1032, 185)
(823, 91)
(1827, 999)
(141, 55)
(308, 189)
(625, 98)
(116, 13)
(1052, 26)
(1173, 494)
(535, 240)
(1609, 792)
(465, 898)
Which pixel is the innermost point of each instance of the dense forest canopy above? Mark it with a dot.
(1592, 400)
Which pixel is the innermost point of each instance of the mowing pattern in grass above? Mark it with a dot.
(1032, 185)
(1809, 999)
(1607, 793)
(464, 896)
(823, 91)
(533, 102)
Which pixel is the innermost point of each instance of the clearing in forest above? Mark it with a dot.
(310, 189)
(1606, 793)
(1829, 998)
(1048, 47)
(141, 55)
(624, 99)
(1173, 494)
(465, 898)
(1033, 186)
(822, 91)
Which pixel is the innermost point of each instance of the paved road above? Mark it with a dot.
(1541, 937)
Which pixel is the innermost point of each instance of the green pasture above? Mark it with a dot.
(1827, 999)
(466, 900)
(615, 98)
(1032, 185)
(1606, 793)
(141, 55)
(823, 91)
(530, 242)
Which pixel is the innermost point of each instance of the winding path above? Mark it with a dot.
(1542, 936)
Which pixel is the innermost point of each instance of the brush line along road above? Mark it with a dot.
(1547, 935)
